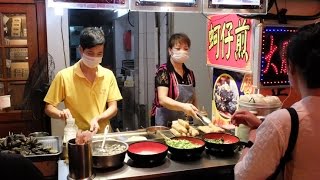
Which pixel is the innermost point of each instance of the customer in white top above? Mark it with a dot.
(272, 136)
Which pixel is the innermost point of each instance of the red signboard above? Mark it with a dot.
(229, 42)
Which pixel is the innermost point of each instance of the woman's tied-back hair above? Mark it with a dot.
(91, 37)
(179, 38)
(303, 52)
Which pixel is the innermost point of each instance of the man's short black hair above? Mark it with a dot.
(303, 52)
(91, 37)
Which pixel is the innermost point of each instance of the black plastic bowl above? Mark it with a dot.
(187, 153)
(230, 145)
(149, 152)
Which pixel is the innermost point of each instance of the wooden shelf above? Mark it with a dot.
(12, 119)
(12, 79)
(14, 46)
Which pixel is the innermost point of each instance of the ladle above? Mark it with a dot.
(106, 130)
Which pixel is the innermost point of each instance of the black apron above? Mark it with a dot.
(164, 116)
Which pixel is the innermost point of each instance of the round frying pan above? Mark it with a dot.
(147, 152)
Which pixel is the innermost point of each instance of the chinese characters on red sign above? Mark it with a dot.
(229, 42)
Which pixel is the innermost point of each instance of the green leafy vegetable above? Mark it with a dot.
(215, 141)
(182, 144)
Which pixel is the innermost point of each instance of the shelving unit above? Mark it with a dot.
(22, 42)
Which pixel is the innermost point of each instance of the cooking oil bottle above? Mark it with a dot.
(70, 132)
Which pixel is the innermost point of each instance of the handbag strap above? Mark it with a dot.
(292, 142)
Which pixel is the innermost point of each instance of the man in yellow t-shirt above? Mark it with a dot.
(89, 91)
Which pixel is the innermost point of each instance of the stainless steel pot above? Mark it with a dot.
(102, 160)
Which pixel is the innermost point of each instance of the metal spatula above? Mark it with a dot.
(204, 120)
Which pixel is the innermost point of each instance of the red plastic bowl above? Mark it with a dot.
(147, 151)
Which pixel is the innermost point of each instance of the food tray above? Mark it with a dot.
(47, 163)
(52, 141)
(124, 136)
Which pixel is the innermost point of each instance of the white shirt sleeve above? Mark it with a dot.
(270, 144)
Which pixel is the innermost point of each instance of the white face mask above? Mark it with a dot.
(180, 56)
(91, 62)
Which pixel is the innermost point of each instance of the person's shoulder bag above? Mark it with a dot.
(291, 144)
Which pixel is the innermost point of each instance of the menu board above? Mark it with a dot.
(227, 88)
(273, 65)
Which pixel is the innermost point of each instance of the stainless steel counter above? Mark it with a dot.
(207, 166)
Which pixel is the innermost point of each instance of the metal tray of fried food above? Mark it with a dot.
(50, 142)
(124, 136)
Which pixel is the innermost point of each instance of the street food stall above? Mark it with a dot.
(246, 59)
(167, 167)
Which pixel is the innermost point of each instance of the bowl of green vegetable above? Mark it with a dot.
(185, 147)
(221, 142)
